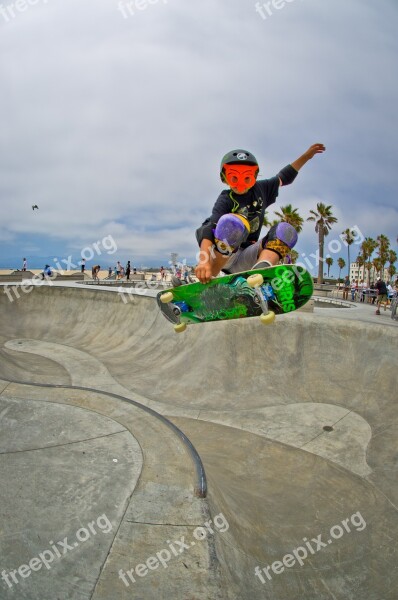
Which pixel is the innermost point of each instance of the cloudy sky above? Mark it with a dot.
(115, 116)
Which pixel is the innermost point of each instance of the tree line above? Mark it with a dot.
(324, 219)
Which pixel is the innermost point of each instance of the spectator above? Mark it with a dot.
(83, 264)
(187, 277)
(354, 289)
(390, 291)
(109, 272)
(372, 293)
(118, 269)
(46, 272)
(128, 270)
(362, 290)
(162, 274)
(381, 294)
(176, 279)
(24, 264)
(94, 272)
(346, 287)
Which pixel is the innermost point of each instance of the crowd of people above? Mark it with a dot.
(378, 292)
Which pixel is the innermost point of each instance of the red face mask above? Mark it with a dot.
(240, 177)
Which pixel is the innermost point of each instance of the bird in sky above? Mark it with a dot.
(35, 206)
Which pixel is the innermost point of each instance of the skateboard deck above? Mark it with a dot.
(285, 288)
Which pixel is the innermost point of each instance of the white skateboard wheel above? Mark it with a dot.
(255, 280)
(268, 318)
(166, 297)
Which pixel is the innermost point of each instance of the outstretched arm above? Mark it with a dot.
(310, 153)
(289, 173)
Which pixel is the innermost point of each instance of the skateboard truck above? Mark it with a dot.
(255, 282)
(165, 299)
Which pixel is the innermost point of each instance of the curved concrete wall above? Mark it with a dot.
(254, 401)
(303, 358)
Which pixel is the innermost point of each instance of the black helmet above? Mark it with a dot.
(237, 157)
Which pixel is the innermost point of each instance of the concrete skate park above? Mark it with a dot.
(233, 461)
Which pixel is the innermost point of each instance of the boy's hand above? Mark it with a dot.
(203, 272)
(314, 149)
(310, 153)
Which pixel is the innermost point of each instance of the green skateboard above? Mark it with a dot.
(260, 292)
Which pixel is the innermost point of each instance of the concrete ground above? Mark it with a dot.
(293, 425)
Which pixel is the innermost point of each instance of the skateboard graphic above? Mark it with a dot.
(259, 292)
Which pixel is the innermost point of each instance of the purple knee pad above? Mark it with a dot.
(231, 230)
(284, 233)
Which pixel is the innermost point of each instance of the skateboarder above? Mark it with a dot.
(229, 238)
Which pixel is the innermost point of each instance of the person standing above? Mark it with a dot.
(354, 289)
(94, 272)
(346, 287)
(24, 264)
(362, 290)
(128, 270)
(381, 294)
(83, 264)
(372, 293)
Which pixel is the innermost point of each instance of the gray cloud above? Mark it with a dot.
(115, 126)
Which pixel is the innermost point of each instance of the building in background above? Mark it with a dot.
(357, 272)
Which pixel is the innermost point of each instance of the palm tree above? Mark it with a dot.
(293, 255)
(368, 246)
(391, 271)
(349, 240)
(392, 258)
(369, 267)
(341, 264)
(361, 263)
(323, 219)
(266, 221)
(290, 215)
(329, 262)
(377, 265)
(383, 246)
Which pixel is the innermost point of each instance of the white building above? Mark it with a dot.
(357, 272)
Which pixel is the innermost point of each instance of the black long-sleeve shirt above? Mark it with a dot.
(253, 205)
